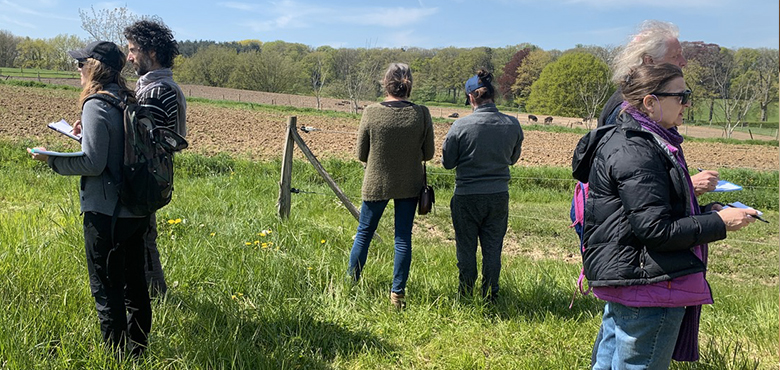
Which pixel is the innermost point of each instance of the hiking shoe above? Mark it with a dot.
(398, 300)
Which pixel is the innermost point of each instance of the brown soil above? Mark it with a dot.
(24, 113)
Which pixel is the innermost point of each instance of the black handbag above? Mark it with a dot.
(427, 197)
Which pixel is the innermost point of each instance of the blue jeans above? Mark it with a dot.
(634, 338)
(370, 213)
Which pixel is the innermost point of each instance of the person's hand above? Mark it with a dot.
(38, 156)
(704, 181)
(737, 218)
(77, 128)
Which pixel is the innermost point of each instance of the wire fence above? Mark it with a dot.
(563, 221)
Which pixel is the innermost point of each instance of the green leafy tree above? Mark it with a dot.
(765, 63)
(697, 79)
(576, 85)
(703, 69)
(34, 53)
(210, 66)
(8, 51)
(61, 44)
(527, 73)
(267, 70)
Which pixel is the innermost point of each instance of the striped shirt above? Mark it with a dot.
(161, 101)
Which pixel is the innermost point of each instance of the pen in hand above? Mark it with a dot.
(757, 217)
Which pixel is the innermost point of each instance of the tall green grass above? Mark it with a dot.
(245, 298)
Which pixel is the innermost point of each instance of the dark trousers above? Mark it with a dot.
(116, 278)
(155, 278)
(480, 217)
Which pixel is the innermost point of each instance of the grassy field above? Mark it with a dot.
(33, 72)
(249, 291)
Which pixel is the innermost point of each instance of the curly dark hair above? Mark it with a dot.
(154, 36)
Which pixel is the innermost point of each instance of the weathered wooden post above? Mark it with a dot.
(283, 204)
(325, 175)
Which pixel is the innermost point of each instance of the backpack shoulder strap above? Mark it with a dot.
(110, 99)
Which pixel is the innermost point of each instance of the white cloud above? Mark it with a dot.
(239, 6)
(388, 17)
(616, 4)
(11, 7)
(288, 14)
(10, 20)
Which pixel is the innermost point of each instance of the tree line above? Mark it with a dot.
(574, 82)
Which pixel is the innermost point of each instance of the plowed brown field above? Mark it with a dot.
(24, 113)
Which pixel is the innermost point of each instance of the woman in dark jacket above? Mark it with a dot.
(114, 247)
(394, 137)
(645, 236)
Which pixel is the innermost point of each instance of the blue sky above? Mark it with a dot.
(550, 24)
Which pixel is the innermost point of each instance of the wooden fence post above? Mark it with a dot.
(329, 180)
(283, 204)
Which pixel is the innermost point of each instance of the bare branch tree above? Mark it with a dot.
(358, 74)
(109, 24)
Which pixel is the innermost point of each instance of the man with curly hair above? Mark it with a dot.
(151, 50)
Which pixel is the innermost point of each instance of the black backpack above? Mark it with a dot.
(147, 169)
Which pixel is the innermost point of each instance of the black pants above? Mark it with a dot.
(116, 278)
(155, 278)
(480, 217)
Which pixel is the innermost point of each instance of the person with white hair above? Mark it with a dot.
(655, 42)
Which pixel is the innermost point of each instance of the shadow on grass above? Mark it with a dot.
(280, 338)
(537, 300)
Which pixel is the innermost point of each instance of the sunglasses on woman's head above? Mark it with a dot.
(685, 96)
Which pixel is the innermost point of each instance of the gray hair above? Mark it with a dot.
(651, 40)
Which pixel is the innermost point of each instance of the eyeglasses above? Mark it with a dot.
(685, 96)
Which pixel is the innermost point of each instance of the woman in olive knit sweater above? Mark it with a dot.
(395, 136)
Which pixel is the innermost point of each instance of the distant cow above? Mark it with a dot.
(548, 120)
(533, 118)
(454, 115)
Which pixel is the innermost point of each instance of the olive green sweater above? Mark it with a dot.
(393, 142)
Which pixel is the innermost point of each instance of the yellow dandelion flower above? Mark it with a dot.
(261, 234)
(257, 242)
(265, 245)
(270, 243)
(233, 296)
(212, 234)
(240, 294)
(171, 222)
(248, 243)
(322, 241)
(178, 220)
(308, 268)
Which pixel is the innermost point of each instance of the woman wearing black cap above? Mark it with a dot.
(114, 254)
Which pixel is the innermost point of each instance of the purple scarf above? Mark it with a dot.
(687, 346)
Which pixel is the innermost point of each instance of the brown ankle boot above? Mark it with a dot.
(398, 300)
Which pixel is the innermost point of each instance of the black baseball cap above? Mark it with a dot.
(104, 51)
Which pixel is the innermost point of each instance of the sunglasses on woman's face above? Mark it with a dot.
(685, 96)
